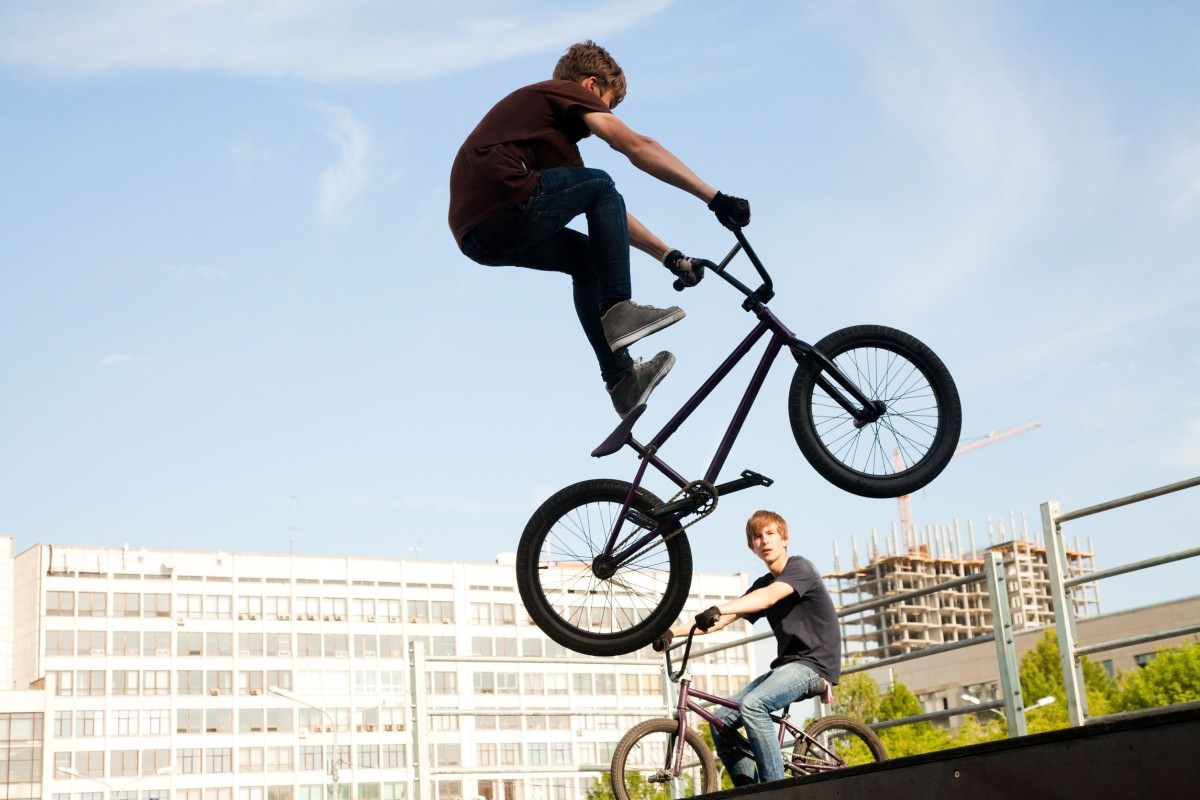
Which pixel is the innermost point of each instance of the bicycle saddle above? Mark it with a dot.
(616, 439)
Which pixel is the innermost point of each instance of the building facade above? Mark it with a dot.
(173, 675)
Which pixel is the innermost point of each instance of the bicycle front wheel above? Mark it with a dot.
(644, 761)
(913, 440)
(836, 742)
(605, 614)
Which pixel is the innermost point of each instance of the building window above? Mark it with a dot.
(218, 720)
(60, 604)
(250, 759)
(123, 763)
(127, 604)
(156, 643)
(220, 644)
(60, 643)
(126, 643)
(189, 681)
(442, 611)
(218, 760)
(125, 682)
(1143, 659)
(189, 643)
(188, 760)
(90, 643)
(156, 605)
(189, 720)
(89, 682)
(156, 722)
(279, 759)
(92, 604)
(156, 682)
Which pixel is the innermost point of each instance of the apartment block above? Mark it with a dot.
(953, 615)
(140, 674)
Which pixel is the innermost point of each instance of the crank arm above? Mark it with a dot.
(749, 478)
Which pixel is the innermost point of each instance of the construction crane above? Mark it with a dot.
(907, 529)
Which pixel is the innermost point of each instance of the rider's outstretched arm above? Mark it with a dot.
(648, 155)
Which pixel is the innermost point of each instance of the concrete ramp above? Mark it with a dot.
(1151, 754)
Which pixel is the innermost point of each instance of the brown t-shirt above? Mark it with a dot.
(532, 129)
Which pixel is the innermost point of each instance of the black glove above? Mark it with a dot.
(732, 212)
(690, 271)
(663, 642)
(708, 617)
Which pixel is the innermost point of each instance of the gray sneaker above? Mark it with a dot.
(626, 322)
(633, 390)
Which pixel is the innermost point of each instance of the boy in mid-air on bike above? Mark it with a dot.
(797, 605)
(519, 179)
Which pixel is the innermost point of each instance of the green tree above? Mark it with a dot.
(1041, 676)
(1173, 676)
(916, 737)
(857, 696)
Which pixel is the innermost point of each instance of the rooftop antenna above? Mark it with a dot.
(291, 528)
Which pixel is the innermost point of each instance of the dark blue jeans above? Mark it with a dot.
(535, 235)
(772, 691)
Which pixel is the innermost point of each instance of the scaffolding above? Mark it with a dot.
(934, 556)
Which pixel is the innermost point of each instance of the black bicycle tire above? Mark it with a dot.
(943, 417)
(655, 614)
(853, 727)
(710, 778)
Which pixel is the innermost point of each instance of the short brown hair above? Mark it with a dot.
(588, 59)
(759, 520)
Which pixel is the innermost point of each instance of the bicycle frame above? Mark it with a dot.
(853, 400)
(686, 704)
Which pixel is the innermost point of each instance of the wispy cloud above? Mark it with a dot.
(328, 40)
(343, 180)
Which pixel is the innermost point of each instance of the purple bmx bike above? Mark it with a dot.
(604, 566)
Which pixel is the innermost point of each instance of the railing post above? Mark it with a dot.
(420, 719)
(1005, 640)
(1064, 614)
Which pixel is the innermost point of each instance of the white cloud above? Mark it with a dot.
(332, 40)
(344, 180)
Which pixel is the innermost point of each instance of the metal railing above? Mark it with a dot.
(1012, 701)
(1070, 651)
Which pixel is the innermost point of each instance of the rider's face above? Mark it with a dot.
(768, 542)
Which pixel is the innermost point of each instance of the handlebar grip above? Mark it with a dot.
(678, 284)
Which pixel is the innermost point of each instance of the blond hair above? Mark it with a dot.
(588, 59)
(759, 520)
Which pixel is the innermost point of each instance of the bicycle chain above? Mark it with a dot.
(709, 490)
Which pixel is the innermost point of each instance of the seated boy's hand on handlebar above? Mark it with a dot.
(732, 212)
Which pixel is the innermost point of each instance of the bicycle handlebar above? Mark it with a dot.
(754, 297)
(674, 675)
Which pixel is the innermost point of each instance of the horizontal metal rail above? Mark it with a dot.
(1128, 500)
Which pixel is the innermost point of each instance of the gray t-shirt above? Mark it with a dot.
(805, 623)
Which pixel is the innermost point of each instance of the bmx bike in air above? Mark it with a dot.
(604, 566)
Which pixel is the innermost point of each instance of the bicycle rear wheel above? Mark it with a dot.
(914, 439)
(836, 742)
(600, 616)
(645, 755)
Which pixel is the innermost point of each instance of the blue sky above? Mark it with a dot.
(232, 315)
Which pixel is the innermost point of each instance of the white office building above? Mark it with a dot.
(137, 674)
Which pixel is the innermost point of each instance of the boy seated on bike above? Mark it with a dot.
(519, 179)
(798, 607)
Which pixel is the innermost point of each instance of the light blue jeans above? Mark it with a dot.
(772, 691)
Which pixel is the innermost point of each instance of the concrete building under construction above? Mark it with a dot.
(913, 560)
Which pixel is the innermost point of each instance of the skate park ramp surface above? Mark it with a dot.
(1147, 754)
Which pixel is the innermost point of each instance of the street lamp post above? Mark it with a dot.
(112, 790)
(1042, 703)
(334, 774)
